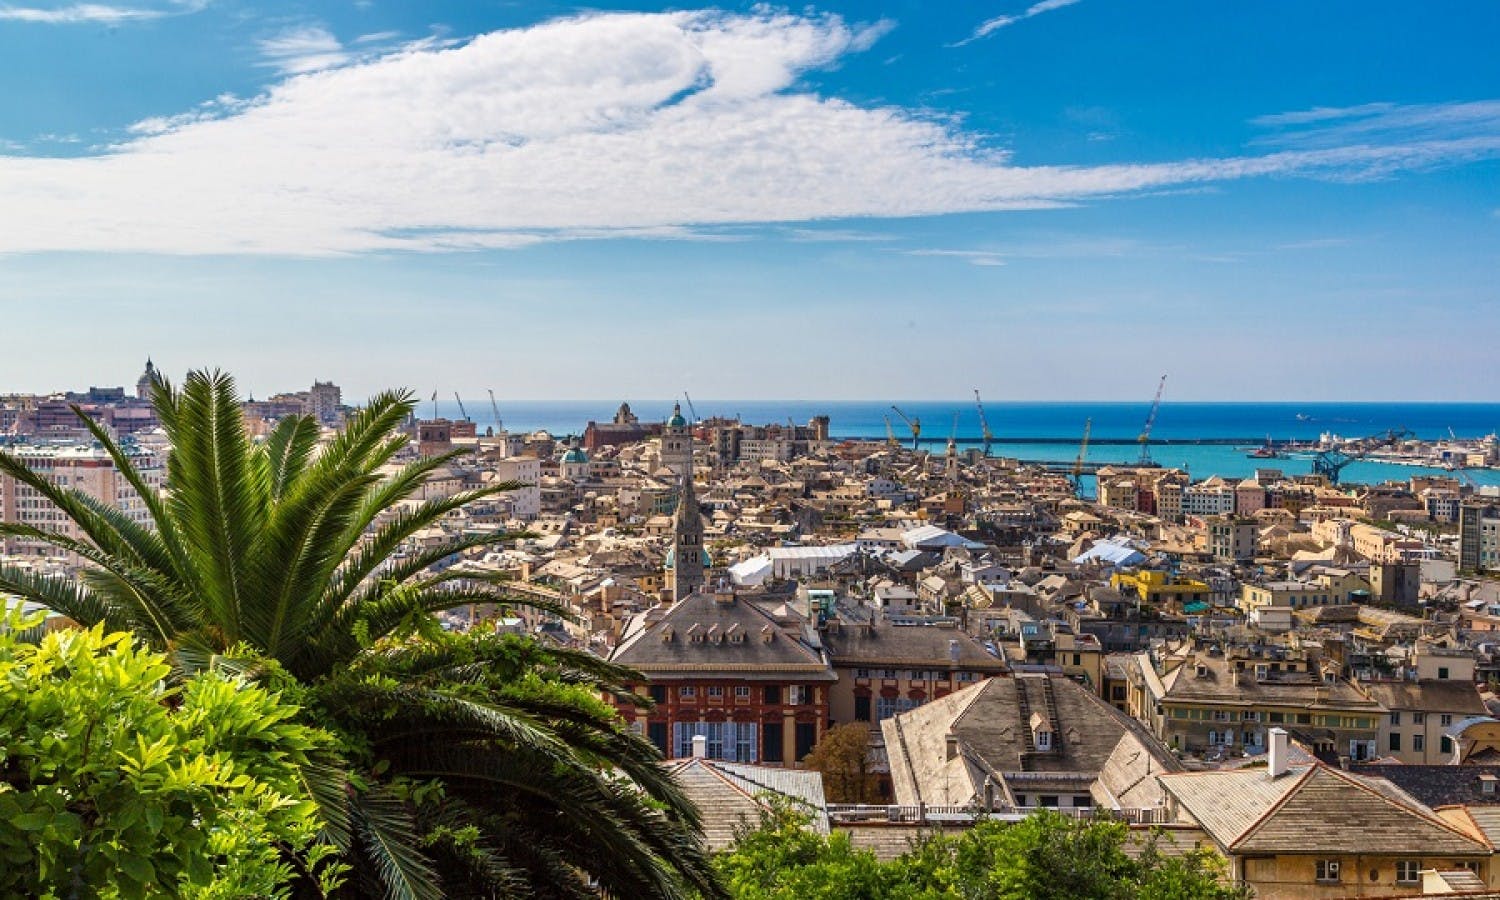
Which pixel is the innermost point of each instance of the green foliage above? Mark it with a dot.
(469, 765)
(1046, 856)
(116, 785)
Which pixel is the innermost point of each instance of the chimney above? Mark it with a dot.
(700, 746)
(953, 651)
(1276, 756)
(951, 746)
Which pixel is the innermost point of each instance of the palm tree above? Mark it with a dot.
(477, 765)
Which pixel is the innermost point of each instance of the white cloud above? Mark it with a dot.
(96, 13)
(307, 48)
(656, 125)
(990, 26)
(972, 257)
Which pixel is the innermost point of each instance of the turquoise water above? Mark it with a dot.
(1252, 422)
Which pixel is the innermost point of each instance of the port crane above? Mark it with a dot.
(691, 411)
(890, 433)
(1146, 462)
(1076, 476)
(914, 424)
(1329, 463)
(984, 424)
(495, 408)
(461, 411)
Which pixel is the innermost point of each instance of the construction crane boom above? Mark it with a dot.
(1145, 437)
(914, 424)
(1330, 463)
(461, 411)
(495, 408)
(890, 433)
(691, 411)
(984, 424)
(1083, 450)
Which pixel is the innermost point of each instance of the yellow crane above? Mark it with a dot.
(984, 423)
(1083, 450)
(913, 423)
(890, 433)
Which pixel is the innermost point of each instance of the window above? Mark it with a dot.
(1418, 743)
(771, 742)
(799, 694)
(806, 738)
(1083, 801)
(773, 694)
(1445, 719)
(1221, 715)
(1418, 718)
(1047, 800)
(657, 733)
(687, 690)
(1442, 673)
(1395, 718)
(861, 673)
(888, 673)
(1327, 870)
(1445, 745)
(733, 741)
(742, 692)
(1044, 740)
(1406, 871)
(861, 709)
(716, 691)
(967, 676)
(658, 693)
(1395, 742)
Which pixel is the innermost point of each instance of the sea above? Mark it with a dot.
(1251, 423)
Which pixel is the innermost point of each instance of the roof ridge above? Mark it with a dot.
(1358, 782)
(1271, 810)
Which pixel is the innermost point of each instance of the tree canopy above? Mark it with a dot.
(1046, 856)
(117, 785)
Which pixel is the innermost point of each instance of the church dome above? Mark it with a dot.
(575, 454)
(677, 421)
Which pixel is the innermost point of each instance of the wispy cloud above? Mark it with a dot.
(96, 13)
(990, 26)
(672, 125)
(972, 257)
(306, 48)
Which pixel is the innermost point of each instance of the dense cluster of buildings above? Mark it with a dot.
(1294, 674)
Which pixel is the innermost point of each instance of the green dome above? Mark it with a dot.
(575, 455)
(677, 421)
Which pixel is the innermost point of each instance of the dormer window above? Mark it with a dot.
(1044, 740)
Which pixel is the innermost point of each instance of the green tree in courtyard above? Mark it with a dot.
(474, 765)
(115, 785)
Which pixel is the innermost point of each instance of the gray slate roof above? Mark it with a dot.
(696, 638)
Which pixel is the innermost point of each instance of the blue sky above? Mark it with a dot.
(846, 201)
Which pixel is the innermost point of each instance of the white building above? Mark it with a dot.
(84, 468)
(525, 501)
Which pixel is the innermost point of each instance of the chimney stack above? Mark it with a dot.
(953, 651)
(1276, 756)
(700, 746)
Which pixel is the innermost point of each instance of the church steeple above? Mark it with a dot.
(687, 555)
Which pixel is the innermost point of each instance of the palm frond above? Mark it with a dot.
(387, 839)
